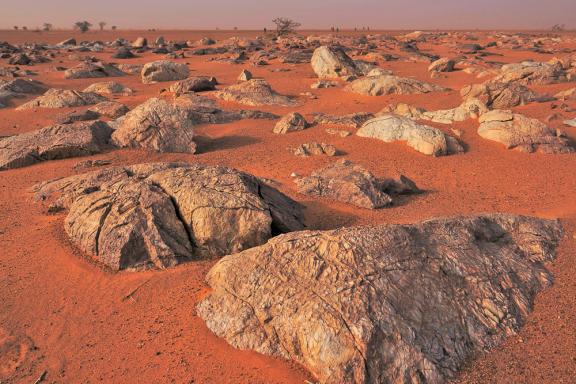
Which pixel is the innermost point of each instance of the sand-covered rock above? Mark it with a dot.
(254, 92)
(163, 70)
(333, 62)
(159, 215)
(390, 84)
(63, 98)
(384, 304)
(156, 125)
(353, 184)
(54, 142)
(523, 133)
(423, 138)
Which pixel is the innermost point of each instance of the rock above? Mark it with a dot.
(502, 95)
(206, 41)
(109, 88)
(442, 65)
(390, 303)
(88, 70)
(74, 116)
(424, 139)
(54, 142)
(313, 149)
(193, 84)
(156, 125)
(111, 109)
(569, 94)
(133, 69)
(22, 87)
(63, 98)
(140, 42)
(519, 132)
(322, 84)
(160, 41)
(470, 109)
(245, 75)
(159, 215)
(123, 53)
(67, 42)
(389, 84)
(163, 70)
(339, 132)
(254, 92)
(332, 62)
(571, 123)
(349, 183)
(530, 72)
(19, 59)
(353, 120)
(290, 123)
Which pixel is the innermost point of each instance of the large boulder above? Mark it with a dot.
(254, 92)
(63, 98)
(156, 125)
(332, 62)
(87, 70)
(349, 183)
(163, 70)
(385, 304)
(523, 133)
(54, 142)
(159, 215)
(423, 138)
(390, 84)
(502, 95)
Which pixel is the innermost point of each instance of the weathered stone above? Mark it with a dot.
(312, 149)
(193, 84)
(389, 84)
(354, 120)
(530, 72)
(159, 215)
(111, 109)
(254, 92)
(442, 65)
(109, 88)
(424, 139)
(332, 62)
(87, 70)
(54, 142)
(290, 123)
(163, 70)
(245, 75)
(502, 95)
(384, 304)
(521, 133)
(63, 98)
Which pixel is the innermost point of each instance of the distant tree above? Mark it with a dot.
(285, 26)
(15, 27)
(114, 27)
(24, 28)
(235, 28)
(46, 27)
(558, 27)
(265, 29)
(82, 26)
(102, 24)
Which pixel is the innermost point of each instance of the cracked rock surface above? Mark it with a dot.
(158, 215)
(384, 304)
(390, 84)
(254, 92)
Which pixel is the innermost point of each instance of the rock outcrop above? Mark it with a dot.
(163, 70)
(349, 183)
(502, 95)
(63, 98)
(54, 142)
(333, 62)
(384, 304)
(193, 84)
(254, 92)
(519, 132)
(390, 84)
(109, 88)
(423, 138)
(532, 72)
(159, 215)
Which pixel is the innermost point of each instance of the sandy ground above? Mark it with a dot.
(63, 315)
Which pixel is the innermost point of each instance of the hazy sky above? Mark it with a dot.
(255, 14)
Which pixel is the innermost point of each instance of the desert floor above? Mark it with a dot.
(74, 320)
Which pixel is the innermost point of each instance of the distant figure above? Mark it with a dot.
(265, 29)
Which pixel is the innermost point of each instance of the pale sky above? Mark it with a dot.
(256, 14)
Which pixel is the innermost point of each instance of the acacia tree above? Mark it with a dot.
(16, 27)
(285, 26)
(114, 27)
(46, 27)
(102, 24)
(82, 26)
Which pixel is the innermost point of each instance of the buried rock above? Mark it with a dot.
(383, 304)
(353, 184)
(519, 132)
(424, 139)
(159, 215)
(63, 98)
(54, 142)
(254, 92)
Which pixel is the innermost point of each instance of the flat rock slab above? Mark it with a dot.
(385, 304)
(159, 215)
(54, 142)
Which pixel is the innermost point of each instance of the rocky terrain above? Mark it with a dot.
(351, 207)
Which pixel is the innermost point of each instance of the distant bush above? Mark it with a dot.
(82, 26)
(285, 26)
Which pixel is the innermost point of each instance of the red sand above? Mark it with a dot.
(87, 328)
